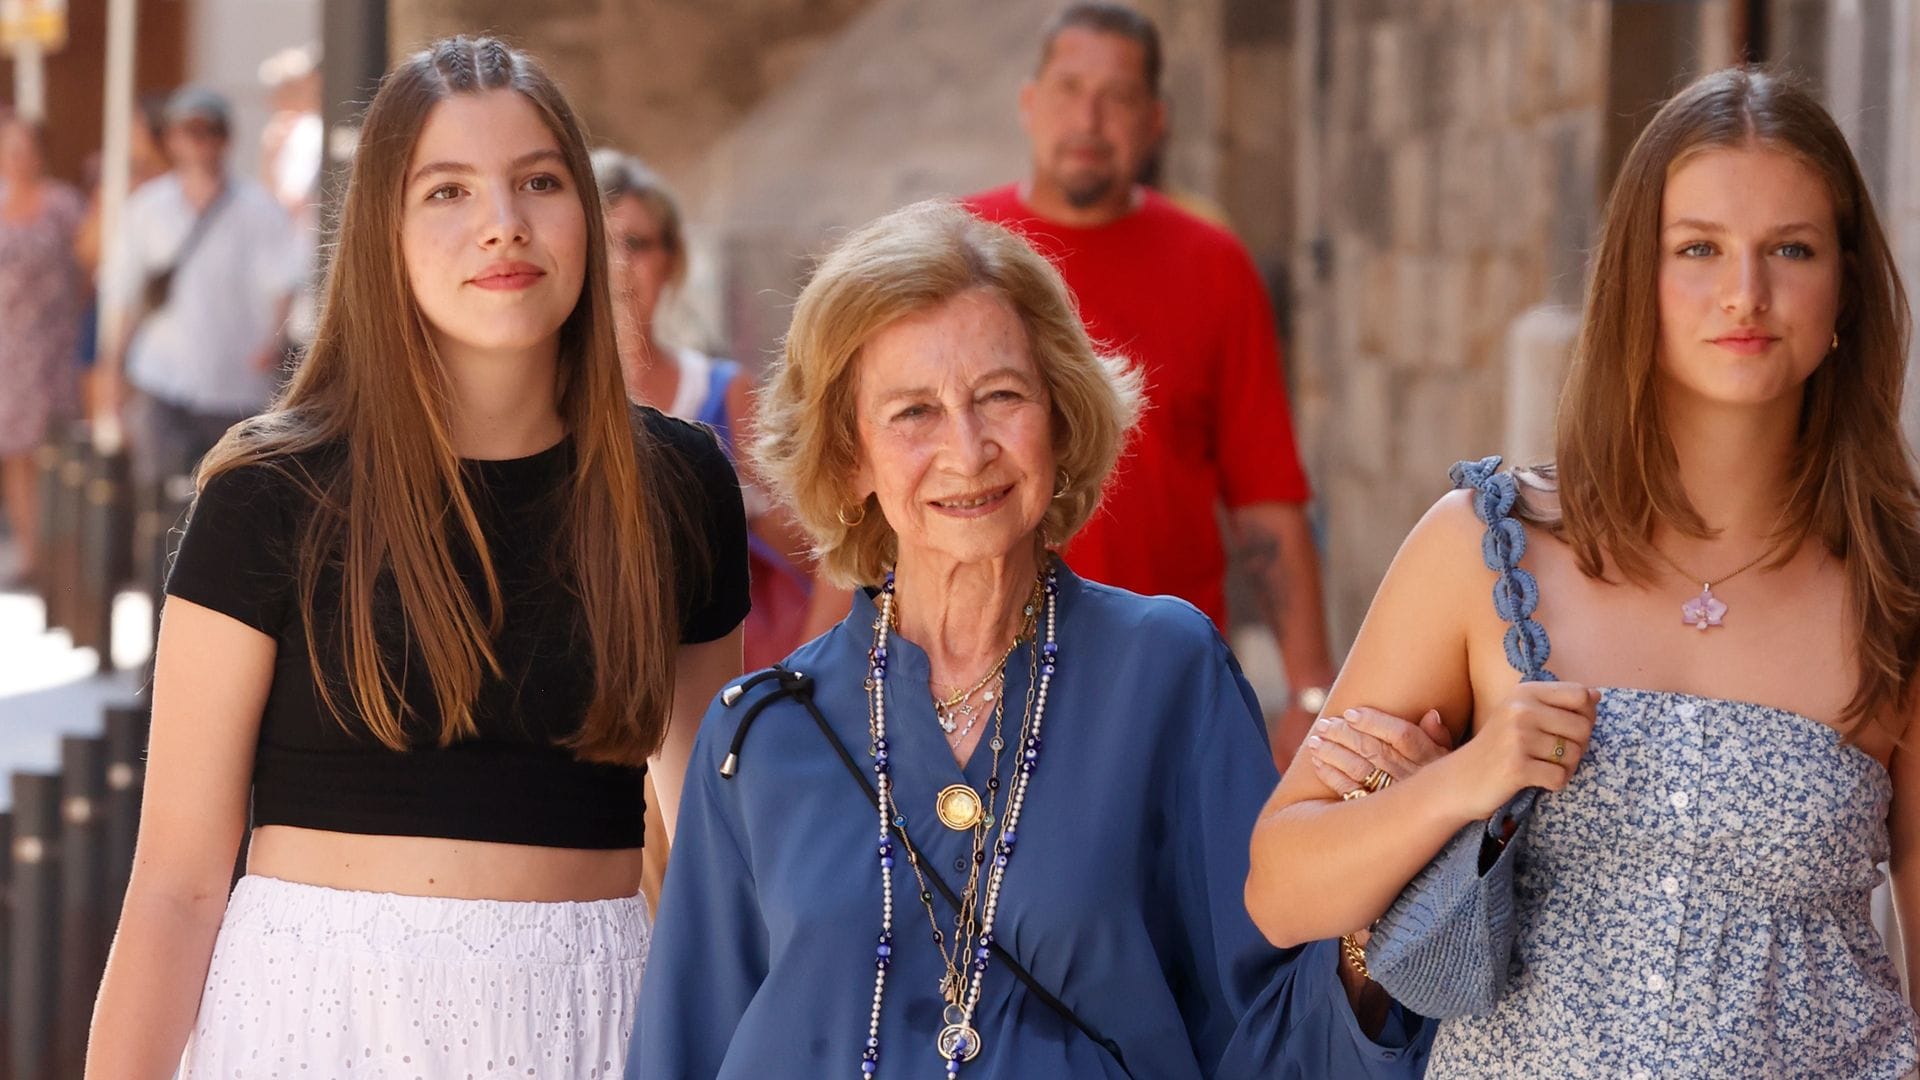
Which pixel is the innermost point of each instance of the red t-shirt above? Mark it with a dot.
(1180, 298)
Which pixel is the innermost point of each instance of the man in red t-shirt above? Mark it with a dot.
(1180, 298)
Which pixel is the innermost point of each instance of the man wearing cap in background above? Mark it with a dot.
(198, 285)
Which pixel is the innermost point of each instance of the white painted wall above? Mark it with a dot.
(227, 39)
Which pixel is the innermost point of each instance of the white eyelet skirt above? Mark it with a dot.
(314, 982)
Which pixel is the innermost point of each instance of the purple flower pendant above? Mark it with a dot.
(1703, 611)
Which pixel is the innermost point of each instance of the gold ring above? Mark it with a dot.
(1559, 748)
(1376, 780)
(1356, 793)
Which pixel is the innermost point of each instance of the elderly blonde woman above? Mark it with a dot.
(994, 824)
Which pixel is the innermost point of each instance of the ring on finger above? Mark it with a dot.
(1356, 793)
(1559, 748)
(1377, 779)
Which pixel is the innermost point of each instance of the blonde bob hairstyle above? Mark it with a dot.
(908, 261)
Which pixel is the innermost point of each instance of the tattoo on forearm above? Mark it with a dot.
(1258, 552)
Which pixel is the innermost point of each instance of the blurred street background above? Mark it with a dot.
(1416, 180)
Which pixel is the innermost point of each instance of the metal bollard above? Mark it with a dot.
(34, 925)
(6, 950)
(98, 558)
(83, 947)
(126, 772)
(63, 532)
(46, 462)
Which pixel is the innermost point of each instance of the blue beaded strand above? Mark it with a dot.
(883, 848)
(1003, 849)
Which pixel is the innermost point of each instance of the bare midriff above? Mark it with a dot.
(436, 866)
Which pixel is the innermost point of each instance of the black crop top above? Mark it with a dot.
(513, 783)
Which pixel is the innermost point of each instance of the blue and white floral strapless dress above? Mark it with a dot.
(1695, 904)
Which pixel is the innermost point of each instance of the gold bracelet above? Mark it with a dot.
(1354, 955)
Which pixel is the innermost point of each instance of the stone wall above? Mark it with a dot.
(663, 78)
(1863, 57)
(226, 42)
(911, 100)
(914, 100)
(1446, 177)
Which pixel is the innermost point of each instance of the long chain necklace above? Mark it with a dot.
(958, 1041)
(959, 808)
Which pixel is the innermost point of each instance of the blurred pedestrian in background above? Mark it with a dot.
(42, 296)
(1183, 299)
(200, 288)
(647, 238)
(646, 242)
(146, 160)
(292, 152)
(292, 142)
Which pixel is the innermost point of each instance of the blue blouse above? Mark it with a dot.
(1124, 900)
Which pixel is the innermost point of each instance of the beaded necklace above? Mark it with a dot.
(958, 1041)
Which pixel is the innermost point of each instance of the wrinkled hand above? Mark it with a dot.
(1345, 749)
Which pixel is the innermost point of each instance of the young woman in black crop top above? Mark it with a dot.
(432, 617)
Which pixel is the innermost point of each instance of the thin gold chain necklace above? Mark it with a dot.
(1706, 611)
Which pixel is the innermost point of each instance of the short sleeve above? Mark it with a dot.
(1258, 458)
(713, 603)
(237, 555)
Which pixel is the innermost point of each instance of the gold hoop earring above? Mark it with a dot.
(856, 522)
(1066, 482)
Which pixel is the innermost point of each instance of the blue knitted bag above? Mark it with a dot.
(1445, 947)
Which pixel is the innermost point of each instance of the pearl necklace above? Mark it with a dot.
(958, 1041)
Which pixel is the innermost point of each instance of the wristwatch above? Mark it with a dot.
(1311, 699)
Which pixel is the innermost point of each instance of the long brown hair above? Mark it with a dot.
(1853, 483)
(389, 516)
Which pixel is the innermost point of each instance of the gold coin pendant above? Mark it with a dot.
(958, 807)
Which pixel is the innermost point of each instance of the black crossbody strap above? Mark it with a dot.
(200, 223)
(800, 688)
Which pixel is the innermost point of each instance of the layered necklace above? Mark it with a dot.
(965, 959)
(950, 710)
